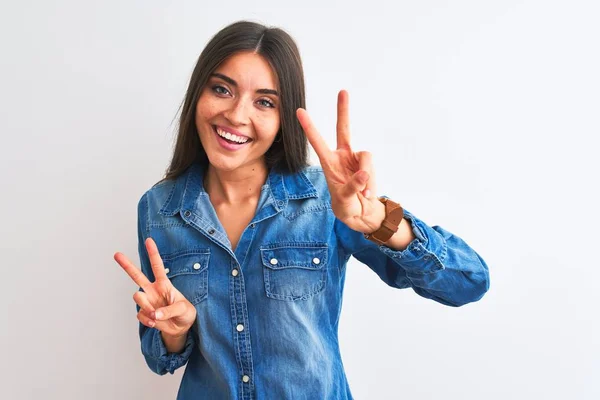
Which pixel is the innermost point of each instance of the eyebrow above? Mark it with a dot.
(234, 83)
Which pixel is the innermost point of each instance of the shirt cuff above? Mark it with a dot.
(165, 360)
(425, 254)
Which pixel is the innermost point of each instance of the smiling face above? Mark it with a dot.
(237, 114)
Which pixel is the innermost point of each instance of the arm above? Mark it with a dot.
(436, 263)
(162, 355)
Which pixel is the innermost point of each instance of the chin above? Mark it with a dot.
(223, 163)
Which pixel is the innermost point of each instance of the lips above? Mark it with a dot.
(229, 144)
(239, 136)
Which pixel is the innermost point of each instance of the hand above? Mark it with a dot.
(350, 176)
(161, 305)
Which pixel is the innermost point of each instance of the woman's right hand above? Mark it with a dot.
(162, 306)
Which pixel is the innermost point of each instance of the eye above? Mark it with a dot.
(218, 89)
(266, 103)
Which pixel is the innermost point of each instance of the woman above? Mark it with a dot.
(247, 286)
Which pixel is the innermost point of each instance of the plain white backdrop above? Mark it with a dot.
(482, 118)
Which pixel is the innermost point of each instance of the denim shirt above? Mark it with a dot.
(268, 312)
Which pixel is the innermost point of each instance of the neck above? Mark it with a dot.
(237, 186)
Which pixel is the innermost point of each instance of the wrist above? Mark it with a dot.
(174, 344)
(379, 217)
(392, 217)
(403, 236)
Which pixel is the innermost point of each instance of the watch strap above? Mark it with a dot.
(393, 217)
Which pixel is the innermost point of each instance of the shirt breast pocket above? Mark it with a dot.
(188, 272)
(295, 271)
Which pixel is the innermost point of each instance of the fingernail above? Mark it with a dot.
(158, 314)
(151, 323)
(368, 194)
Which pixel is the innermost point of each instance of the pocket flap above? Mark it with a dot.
(314, 257)
(186, 262)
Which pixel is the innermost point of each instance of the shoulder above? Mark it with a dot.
(316, 177)
(159, 192)
(160, 198)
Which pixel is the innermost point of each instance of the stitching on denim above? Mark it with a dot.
(162, 209)
(323, 252)
(147, 223)
(319, 288)
(303, 245)
(312, 209)
(232, 309)
(306, 296)
(444, 249)
(248, 246)
(167, 225)
(189, 251)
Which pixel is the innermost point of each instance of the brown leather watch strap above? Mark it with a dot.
(393, 217)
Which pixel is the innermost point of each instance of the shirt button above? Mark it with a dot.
(197, 266)
(246, 378)
(211, 231)
(240, 327)
(273, 261)
(187, 213)
(167, 270)
(234, 272)
(253, 225)
(316, 261)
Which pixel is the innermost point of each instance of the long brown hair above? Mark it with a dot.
(289, 151)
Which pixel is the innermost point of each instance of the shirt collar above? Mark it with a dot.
(283, 187)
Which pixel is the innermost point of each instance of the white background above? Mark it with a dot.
(482, 116)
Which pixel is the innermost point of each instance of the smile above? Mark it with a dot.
(230, 137)
(230, 141)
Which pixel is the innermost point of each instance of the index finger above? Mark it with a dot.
(315, 139)
(138, 276)
(343, 121)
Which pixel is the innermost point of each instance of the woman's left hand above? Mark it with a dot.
(350, 176)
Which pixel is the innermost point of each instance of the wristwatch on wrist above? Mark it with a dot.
(393, 216)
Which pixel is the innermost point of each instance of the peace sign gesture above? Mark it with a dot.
(161, 304)
(350, 176)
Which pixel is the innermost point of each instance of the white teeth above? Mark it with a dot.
(230, 136)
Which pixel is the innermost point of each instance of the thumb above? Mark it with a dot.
(176, 309)
(357, 183)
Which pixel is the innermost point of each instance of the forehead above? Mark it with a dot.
(249, 70)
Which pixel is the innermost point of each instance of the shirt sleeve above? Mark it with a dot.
(437, 264)
(153, 347)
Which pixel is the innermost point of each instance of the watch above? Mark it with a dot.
(393, 216)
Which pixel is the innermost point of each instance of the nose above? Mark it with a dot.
(238, 113)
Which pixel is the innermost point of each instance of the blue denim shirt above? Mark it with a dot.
(268, 312)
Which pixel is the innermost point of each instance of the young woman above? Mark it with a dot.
(243, 246)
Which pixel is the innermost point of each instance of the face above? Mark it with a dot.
(237, 114)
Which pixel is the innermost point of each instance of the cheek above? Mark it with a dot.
(270, 126)
(205, 108)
